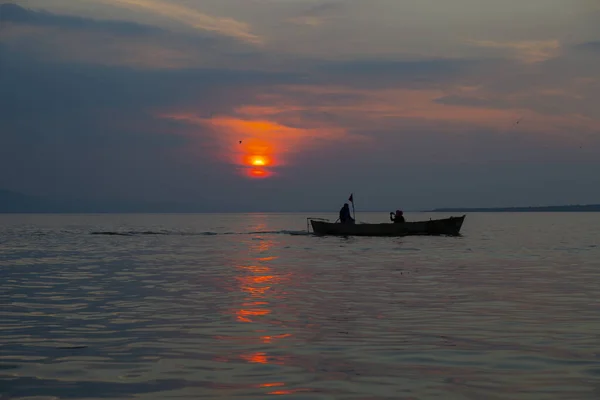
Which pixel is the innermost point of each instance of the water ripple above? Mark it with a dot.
(496, 314)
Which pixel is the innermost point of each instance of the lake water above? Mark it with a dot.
(247, 307)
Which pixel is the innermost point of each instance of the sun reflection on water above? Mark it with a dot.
(257, 358)
(258, 312)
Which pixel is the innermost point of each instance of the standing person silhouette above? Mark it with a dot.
(345, 217)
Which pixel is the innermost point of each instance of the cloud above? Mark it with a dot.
(193, 18)
(528, 51)
(592, 46)
(12, 13)
(84, 130)
(244, 135)
(394, 108)
(90, 107)
(318, 14)
(565, 87)
(74, 39)
(379, 72)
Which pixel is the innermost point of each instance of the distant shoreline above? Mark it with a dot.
(571, 208)
(549, 209)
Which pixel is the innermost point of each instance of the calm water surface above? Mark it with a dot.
(247, 307)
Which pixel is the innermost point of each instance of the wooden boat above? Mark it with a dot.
(447, 226)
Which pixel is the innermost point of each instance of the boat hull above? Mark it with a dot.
(447, 226)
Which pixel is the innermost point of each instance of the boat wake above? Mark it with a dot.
(176, 233)
(284, 232)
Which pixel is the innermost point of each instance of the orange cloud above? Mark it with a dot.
(254, 139)
(262, 136)
(268, 138)
(386, 109)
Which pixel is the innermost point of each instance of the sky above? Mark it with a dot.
(291, 105)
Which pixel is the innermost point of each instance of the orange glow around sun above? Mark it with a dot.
(256, 158)
(257, 166)
(259, 145)
(255, 141)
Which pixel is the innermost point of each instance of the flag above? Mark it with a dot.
(351, 198)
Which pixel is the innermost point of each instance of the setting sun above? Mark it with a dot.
(258, 161)
(257, 166)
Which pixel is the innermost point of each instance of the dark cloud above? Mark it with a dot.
(435, 67)
(592, 46)
(16, 14)
(30, 82)
(57, 38)
(377, 73)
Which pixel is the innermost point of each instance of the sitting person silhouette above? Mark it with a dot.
(397, 218)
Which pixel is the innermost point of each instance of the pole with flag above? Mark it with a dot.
(351, 200)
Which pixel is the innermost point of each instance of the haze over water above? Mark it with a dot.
(245, 306)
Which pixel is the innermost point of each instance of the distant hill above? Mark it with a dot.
(14, 202)
(564, 208)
